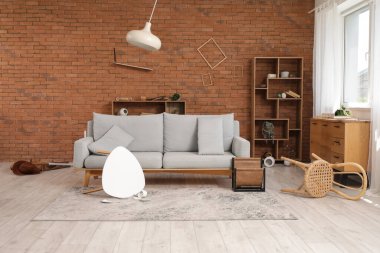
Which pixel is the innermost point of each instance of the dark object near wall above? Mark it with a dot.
(25, 168)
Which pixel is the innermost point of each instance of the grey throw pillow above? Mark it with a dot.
(113, 138)
(210, 136)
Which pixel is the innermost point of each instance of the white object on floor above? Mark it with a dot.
(286, 163)
(269, 161)
(106, 201)
(141, 196)
(122, 175)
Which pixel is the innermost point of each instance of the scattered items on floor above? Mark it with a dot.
(25, 168)
(267, 130)
(169, 202)
(319, 178)
(141, 196)
(55, 166)
(268, 160)
(29, 168)
(106, 201)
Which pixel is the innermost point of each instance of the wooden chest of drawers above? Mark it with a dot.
(339, 141)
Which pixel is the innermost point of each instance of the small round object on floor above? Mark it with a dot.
(269, 162)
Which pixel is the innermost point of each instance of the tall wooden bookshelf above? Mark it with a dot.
(284, 113)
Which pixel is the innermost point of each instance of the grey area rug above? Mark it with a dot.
(168, 203)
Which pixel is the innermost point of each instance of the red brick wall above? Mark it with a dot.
(56, 62)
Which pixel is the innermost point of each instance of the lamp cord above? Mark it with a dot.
(154, 7)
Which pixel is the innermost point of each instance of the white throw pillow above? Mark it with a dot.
(113, 138)
(210, 136)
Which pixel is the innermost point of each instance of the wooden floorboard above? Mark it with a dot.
(329, 224)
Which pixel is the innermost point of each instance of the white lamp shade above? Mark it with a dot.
(144, 38)
(122, 175)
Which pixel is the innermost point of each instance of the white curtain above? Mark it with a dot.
(328, 57)
(375, 84)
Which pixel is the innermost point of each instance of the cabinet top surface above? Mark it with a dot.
(352, 120)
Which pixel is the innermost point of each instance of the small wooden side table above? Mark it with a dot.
(248, 175)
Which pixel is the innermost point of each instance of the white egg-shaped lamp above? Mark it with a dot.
(144, 38)
(122, 175)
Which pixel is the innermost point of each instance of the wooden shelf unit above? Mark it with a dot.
(267, 106)
(149, 107)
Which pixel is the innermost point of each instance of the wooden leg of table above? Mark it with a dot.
(86, 179)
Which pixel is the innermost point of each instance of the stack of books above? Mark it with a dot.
(292, 94)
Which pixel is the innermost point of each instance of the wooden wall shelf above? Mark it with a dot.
(149, 107)
(284, 113)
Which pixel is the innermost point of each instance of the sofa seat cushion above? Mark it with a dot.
(147, 130)
(147, 160)
(188, 160)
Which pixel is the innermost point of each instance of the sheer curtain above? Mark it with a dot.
(375, 83)
(328, 57)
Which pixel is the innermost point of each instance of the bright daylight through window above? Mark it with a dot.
(356, 57)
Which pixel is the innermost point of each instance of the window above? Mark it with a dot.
(356, 57)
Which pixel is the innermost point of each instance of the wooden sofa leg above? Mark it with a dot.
(86, 179)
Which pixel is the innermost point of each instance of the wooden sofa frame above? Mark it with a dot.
(88, 173)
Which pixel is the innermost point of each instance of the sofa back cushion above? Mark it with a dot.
(147, 130)
(181, 132)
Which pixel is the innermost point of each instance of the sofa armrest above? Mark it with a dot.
(81, 151)
(241, 147)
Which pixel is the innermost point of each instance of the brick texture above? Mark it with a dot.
(56, 56)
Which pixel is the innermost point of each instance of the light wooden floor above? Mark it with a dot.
(325, 225)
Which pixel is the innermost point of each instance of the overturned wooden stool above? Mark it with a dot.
(319, 179)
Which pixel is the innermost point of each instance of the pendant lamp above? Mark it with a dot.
(145, 38)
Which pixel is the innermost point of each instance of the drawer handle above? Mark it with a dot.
(337, 142)
(337, 126)
(337, 157)
(313, 123)
(324, 125)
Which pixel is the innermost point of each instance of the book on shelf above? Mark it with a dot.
(292, 94)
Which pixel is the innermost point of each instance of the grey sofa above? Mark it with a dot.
(164, 143)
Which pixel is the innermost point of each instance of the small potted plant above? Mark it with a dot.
(343, 112)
